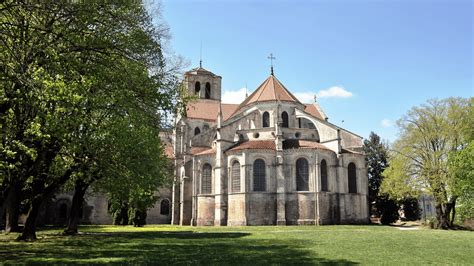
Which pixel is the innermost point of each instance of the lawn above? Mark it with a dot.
(166, 244)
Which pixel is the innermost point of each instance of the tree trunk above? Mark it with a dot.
(76, 207)
(29, 231)
(12, 206)
(445, 213)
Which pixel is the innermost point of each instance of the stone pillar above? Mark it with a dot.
(280, 176)
(219, 175)
(181, 195)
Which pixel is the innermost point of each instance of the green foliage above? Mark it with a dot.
(411, 209)
(419, 161)
(83, 85)
(461, 165)
(387, 209)
(376, 158)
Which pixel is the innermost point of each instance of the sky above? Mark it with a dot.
(368, 62)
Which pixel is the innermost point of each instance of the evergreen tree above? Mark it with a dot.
(376, 153)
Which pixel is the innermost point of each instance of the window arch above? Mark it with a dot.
(284, 118)
(259, 183)
(302, 175)
(197, 87)
(206, 179)
(165, 207)
(265, 119)
(208, 90)
(324, 175)
(197, 131)
(352, 178)
(235, 175)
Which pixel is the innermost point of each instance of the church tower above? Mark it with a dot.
(203, 83)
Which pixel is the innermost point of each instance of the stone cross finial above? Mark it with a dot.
(271, 57)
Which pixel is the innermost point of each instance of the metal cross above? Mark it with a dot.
(271, 57)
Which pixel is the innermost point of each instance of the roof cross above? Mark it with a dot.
(271, 57)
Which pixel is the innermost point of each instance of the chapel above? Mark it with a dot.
(270, 160)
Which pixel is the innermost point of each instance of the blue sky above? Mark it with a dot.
(369, 61)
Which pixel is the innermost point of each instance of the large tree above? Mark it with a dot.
(376, 156)
(66, 67)
(419, 163)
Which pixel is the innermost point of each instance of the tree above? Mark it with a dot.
(410, 208)
(376, 157)
(419, 162)
(65, 68)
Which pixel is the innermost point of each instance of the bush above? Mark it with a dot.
(411, 209)
(388, 209)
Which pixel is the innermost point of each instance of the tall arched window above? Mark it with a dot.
(324, 175)
(259, 183)
(206, 179)
(197, 87)
(165, 207)
(235, 177)
(197, 131)
(302, 175)
(208, 90)
(352, 178)
(265, 119)
(284, 118)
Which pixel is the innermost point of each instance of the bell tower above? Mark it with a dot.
(203, 83)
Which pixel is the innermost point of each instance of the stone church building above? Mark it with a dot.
(270, 160)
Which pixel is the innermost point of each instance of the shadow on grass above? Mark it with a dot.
(164, 247)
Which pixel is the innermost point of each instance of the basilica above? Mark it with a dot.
(270, 160)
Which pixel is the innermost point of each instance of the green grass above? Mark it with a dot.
(243, 245)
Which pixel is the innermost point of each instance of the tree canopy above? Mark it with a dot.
(80, 83)
(419, 160)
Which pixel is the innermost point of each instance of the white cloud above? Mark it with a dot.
(305, 97)
(386, 122)
(334, 91)
(236, 96)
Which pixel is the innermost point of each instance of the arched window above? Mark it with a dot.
(197, 87)
(206, 179)
(259, 175)
(197, 131)
(165, 207)
(63, 211)
(352, 178)
(266, 119)
(324, 176)
(208, 90)
(302, 175)
(235, 177)
(284, 118)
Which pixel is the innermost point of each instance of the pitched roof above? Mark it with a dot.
(254, 144)
(302, 144)
(206, 152)
(200, 71)
(270, 90)
(197, 149)
(313, 110)
(207, 109)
